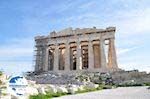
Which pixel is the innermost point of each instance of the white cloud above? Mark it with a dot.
(16, 67)
(17, 48)
(16, 55)
(15, 52)
(132, 22)
(134, 65)
(128, 22)
(125, 50)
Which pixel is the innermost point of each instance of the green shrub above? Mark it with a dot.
(1, 82)
(48, 95)
(39, 96)
(103, 86)
(129, 85)
(1, 73)
(147, 84)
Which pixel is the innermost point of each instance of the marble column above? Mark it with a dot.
(56, 58)
(79, 56)
(102, 54)
(112, 59)
(90, 56)
(71, 59)
(46, 59)
(37, 68)
(67, 57)
(42, 58)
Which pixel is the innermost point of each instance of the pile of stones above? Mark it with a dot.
(34, 89)
(53, 78)
(76, 79)
(133, 77)
(111, 78)
(64, 83)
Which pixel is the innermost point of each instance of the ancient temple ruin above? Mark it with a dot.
(87, 49)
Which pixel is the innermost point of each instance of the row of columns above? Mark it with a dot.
(111, 56)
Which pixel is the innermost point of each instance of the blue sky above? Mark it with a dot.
(22, 20)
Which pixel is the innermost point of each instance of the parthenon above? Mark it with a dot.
(88, 49)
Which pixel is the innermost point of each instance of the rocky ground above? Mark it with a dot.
(134, 76)
(77, 79)
(40, 83)
(118, 77)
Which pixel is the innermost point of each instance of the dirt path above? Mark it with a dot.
(118, 93)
